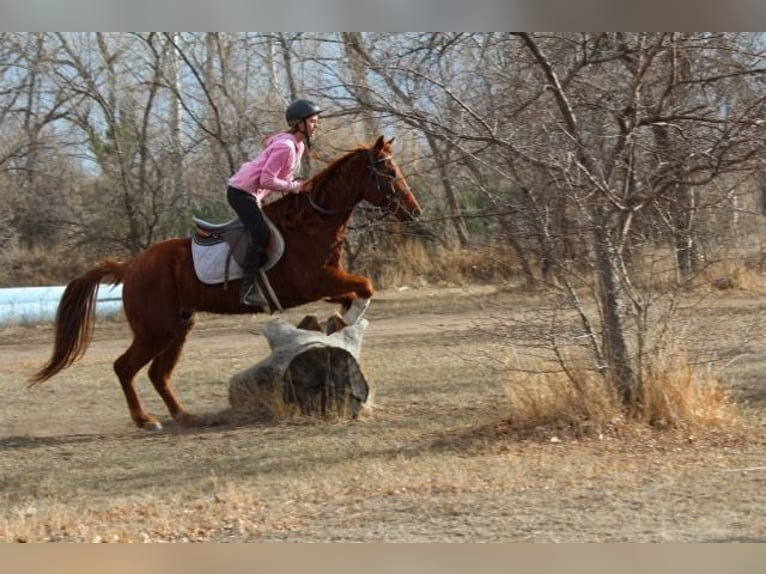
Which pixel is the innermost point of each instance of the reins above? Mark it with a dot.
(321, 210)
(381, 213)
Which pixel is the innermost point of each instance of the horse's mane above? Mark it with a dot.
(319, 178)
(292, 208)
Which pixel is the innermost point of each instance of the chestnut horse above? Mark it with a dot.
(161, 291)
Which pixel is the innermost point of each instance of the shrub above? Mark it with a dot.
(677, 394)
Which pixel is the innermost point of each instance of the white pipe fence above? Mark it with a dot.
(33, 305)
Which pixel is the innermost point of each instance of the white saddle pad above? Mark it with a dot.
(210, 263)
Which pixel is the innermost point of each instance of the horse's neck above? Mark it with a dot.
(329, 204)
(334, 198)
(298, 211)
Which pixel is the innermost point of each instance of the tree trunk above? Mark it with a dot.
(619, 371)
(317, 373)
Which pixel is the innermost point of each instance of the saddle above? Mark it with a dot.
(218, 250)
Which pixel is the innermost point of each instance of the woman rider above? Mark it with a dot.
(271, 170)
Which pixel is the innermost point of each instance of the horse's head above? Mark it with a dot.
(388, 188)
(365, 174)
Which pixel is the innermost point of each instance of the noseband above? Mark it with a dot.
(384, 183)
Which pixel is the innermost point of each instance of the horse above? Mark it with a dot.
(161, 290)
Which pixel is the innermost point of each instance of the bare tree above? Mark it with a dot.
(610, 163)
(638, 143)
(401, 91)
(598, 153)
(30, 110)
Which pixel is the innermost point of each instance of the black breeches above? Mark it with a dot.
(248, 210)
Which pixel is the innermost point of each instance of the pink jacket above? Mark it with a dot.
(272, 169)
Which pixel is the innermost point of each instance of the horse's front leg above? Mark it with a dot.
(353, 292)
(352, 306)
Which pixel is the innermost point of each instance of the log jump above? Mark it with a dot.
(308, 370)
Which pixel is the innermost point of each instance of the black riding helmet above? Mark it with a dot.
(300, 110)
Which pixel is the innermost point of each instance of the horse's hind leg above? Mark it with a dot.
(163, 365)
(126, 366)
(144, 349)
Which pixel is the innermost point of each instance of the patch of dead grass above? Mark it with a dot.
(440, 459)
(676, 395)
(416, 263)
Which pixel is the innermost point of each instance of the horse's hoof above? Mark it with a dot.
(152, 426)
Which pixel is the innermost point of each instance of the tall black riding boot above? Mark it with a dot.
(249, 292)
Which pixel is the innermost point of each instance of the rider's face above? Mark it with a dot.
(311, 124)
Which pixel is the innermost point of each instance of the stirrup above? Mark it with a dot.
(253, 297)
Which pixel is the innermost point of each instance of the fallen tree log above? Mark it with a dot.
(307, 370)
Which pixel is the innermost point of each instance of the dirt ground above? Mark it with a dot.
(427, 462)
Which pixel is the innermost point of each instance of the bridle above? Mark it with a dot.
(384, 183)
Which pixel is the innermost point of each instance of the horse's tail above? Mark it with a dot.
(76, 316)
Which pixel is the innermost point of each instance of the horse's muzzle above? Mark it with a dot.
(407, 215)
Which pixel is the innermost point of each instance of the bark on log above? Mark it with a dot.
(316, 372)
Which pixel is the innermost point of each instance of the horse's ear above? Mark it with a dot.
(380, 143)
(389, 142)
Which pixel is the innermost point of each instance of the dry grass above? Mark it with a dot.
(676, 396)
(23, 267)
(580, 405)
(434, 461)
(265, 403)
(733, 275)
(416, 263)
